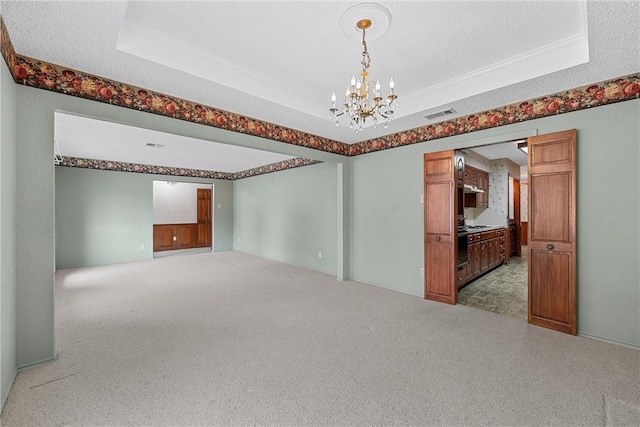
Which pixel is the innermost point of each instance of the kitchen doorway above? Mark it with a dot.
(503, 289)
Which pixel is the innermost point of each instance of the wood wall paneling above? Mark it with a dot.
(168, 237)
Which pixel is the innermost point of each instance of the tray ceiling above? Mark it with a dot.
(283, 59)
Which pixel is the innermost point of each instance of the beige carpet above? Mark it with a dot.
(231, 339)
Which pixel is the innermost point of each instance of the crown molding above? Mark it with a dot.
(148, 43)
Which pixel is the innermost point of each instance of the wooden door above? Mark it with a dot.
(204, 218)
(516, 216)
(440, 227)
(552, 231)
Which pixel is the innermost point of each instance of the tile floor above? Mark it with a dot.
(503, 290)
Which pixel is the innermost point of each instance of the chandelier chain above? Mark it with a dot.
(366, 59)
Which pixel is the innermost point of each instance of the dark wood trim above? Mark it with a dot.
(524, 238)
(516, 216)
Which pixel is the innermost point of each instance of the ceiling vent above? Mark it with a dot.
(442, 113)
(152, 145)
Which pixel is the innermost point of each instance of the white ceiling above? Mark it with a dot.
(88, 138)
(504, 150)
(279, 60)
(234, 44)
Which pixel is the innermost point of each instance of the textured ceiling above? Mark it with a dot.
(300, 45)
(87, 138)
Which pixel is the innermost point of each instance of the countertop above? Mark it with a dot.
(480, 230)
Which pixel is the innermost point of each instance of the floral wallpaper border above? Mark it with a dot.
(608, 92)
(43, 75)
(74, 162)
(6, 48)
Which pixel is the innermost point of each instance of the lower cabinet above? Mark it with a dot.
(485, 251)
(168, 237)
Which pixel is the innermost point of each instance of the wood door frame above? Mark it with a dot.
(516, 215)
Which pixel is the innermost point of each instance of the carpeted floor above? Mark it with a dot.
(231, 339)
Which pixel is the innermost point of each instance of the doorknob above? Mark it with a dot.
(438, 238)
(550, 247)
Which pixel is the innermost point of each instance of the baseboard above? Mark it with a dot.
(5, 393)
(38, 363)
(595, 337)
(377, 285)
(330, 273)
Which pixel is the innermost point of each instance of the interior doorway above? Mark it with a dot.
(456, 257)
(502, 289)
(182, 218)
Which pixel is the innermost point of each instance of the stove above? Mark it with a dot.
(477, 227)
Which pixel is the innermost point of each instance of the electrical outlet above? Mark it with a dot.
(175, 238)
(422, 272)
(422, 198)
(219, 205)
(142, 247)
(238, 240)
(319, 254)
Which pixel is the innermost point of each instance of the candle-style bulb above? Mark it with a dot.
(353, 80)
(377, 85)
(333, 96)
(392, 84)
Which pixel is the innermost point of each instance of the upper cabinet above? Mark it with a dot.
(471, 176)
(480, 179)
(482, 199)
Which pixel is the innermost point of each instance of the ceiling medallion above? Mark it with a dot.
(362, 97)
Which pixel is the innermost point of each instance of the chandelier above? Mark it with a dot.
(362, 97)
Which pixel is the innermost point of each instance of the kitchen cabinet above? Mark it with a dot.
(482, 199)
(502, 248)
(480, 179)
(484, 257)
(460, 169)
(485, 251)
(471, 176)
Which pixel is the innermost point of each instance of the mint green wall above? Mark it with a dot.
(7, 232)
(34, 228)
(387, 228)
(35, 189)
(381, 214)
(103, 217)
(289, 216)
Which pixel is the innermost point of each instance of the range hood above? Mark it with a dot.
(471, 189)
